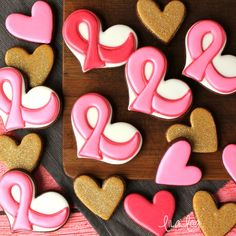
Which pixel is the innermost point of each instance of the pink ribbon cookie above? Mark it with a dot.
(155, 217)
(149, 92)
(35, 28)
(38, 108)
(205, 41)
(47, 212)
(83, 35)
(229, 160)
(173, 169)
(97, 138)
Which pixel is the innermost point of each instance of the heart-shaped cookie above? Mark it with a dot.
(155, 216)
(46, 212)
(37, 65)
(101, 201)
(229, 160)
(35, 28)
(173, 168)
(211, 220)
(202, 133)
(24, 156)
(163, 24)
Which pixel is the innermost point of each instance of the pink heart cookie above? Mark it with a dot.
(155, 216)
(229, 160)
(36, 28)
(173, 169)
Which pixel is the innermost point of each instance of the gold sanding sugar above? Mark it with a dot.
(163, 24)
(211, 220)
(24, 156)
(102, 201)
(202, 134)
(36, 66)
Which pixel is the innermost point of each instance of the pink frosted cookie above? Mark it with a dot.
(149, 92)
(47, 212)
(97, 138)
(205, 42)
(82, 33)
(155, 217)
(229, 160)
(18, 110)
(173, 169)
(35, 28)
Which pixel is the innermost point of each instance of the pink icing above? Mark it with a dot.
(147, 98)
(229, 160)
(17, 114)
(96, 54)
(155, 216)
(96, 143)
(37, 28)
(24, 216)
(201, 66)
(173, 169)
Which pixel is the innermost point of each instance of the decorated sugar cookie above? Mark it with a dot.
(37, 66)
(149, 92)
(173, 168)
(35, 28)
(97, 138)
(211, 219)
(47, 212)
(82, 33)
(163, 24)
(205, 42)
(156, 216)
(202, 134)
(103, 200)
(23, 156)
(229, 160)
(37, 108)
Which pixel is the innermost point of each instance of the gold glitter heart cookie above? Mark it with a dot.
(37, 65)
(202, 133)
(163, 24)
(102, 201)
(211, 220)
(24, 156)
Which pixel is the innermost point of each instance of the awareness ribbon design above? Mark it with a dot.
(201, 65)
(24, 216)
(96, 54)
(96, 143)
(147, 98)
(17, 114)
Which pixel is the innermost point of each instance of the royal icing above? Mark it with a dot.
(47, 212)
(173, 169)
(97, 138)
(35, 109)
(149, 92)
(229, 160)
(155, 217)
(82, 33)
(205, 42)
(35, 28)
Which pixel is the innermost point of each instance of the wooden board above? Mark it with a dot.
(111, 83)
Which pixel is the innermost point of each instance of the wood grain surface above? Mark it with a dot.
(111, 83)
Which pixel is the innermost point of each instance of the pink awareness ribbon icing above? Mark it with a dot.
(147, 99)
(201, 66)
(97, 144)
(17, 114)
(96, 54)
(24, 216)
